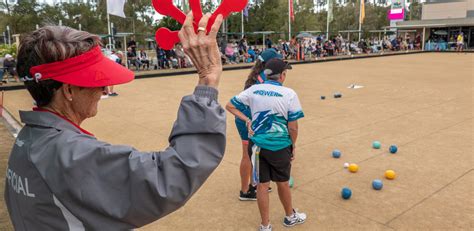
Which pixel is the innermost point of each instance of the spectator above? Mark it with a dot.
(132, 59)
(222, 44)
(243, 46)
(132, 44)
(109, 90)
(268, 43)
(181, 56)
(404, 44)
(161, 56)
(238, 56)
(144, 59)
(339, 43)
(387, 44)
(285, 49)
(9, 65)
(460, 42)
(317, 50)
(418, 42)
(173, 60)
(252, 54)
(114, 57)
(229, 53)
(395, 44)
(2, 81)
(410, 42)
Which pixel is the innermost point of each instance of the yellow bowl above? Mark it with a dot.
(353, 167)
(390, 174)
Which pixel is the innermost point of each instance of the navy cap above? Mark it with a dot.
(276, 66)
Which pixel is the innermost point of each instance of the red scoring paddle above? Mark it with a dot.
(226, 8)
(167, 38)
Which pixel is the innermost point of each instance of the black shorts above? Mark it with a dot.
(274, 165)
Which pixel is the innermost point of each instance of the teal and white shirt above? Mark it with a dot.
(272, 106)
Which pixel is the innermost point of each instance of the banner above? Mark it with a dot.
(292, 11)
(115, 7)
(246, 12)
(362, 11)
(397, 10)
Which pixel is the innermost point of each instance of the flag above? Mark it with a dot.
(292, 11)
(362, 11)
(246, 12)
(115, 7)
(330, 9)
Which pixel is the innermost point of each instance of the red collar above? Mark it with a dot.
(64, 118)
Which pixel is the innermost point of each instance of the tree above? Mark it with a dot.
(270, 15)
(22, 17)
(415, 11)
(169, 23)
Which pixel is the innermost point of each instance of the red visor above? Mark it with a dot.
(90, 69)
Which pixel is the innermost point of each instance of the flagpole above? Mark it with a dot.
(360, 21)
(242, 23)
(289, 20)
(108, 27)
(327, 21)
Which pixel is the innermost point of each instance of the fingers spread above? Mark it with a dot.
(184, 39)
(188, 27)
(203, 24)
(215, 27)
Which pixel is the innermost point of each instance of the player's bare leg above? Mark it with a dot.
(245, 168)
(285, 197)
(264, 202)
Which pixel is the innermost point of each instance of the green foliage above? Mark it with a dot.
(273, 16)
(24, 17)
(6, 49)
(170, 23)
(415, 11)
(270, 15)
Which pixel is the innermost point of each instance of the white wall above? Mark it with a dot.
(446, 10)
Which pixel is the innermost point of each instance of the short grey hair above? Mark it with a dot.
(46, 45)
(51, 44)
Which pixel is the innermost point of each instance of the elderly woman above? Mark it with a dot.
(60, 177)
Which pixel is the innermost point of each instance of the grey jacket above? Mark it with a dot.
(60, 178)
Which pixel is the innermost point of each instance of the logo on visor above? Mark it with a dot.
(99, 75)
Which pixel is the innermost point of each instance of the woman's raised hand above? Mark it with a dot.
(202, 48)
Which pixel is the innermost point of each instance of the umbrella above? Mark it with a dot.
(304, 35)
(441, 32)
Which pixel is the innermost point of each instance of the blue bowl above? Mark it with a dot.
(393, 149)
(377, 184)
(346, 193)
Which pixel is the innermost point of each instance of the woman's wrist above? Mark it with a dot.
(209, 80)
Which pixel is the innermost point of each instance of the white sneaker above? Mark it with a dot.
(265, 228)
(104, 96)
(295, 219)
